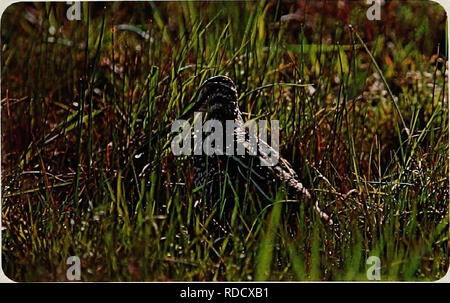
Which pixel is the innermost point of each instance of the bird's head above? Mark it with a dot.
(217, 96)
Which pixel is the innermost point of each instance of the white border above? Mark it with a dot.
(4, 279)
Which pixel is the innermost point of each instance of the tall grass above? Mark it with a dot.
(87, 169)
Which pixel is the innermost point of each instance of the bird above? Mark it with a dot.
(218, 99)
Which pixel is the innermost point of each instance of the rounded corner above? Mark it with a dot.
(440, 3)
(445, 278)
(3, 276)
(8, 6)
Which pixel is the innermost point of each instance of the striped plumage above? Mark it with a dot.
(219, 99)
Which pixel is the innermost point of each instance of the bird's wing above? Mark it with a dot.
(282, 171)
